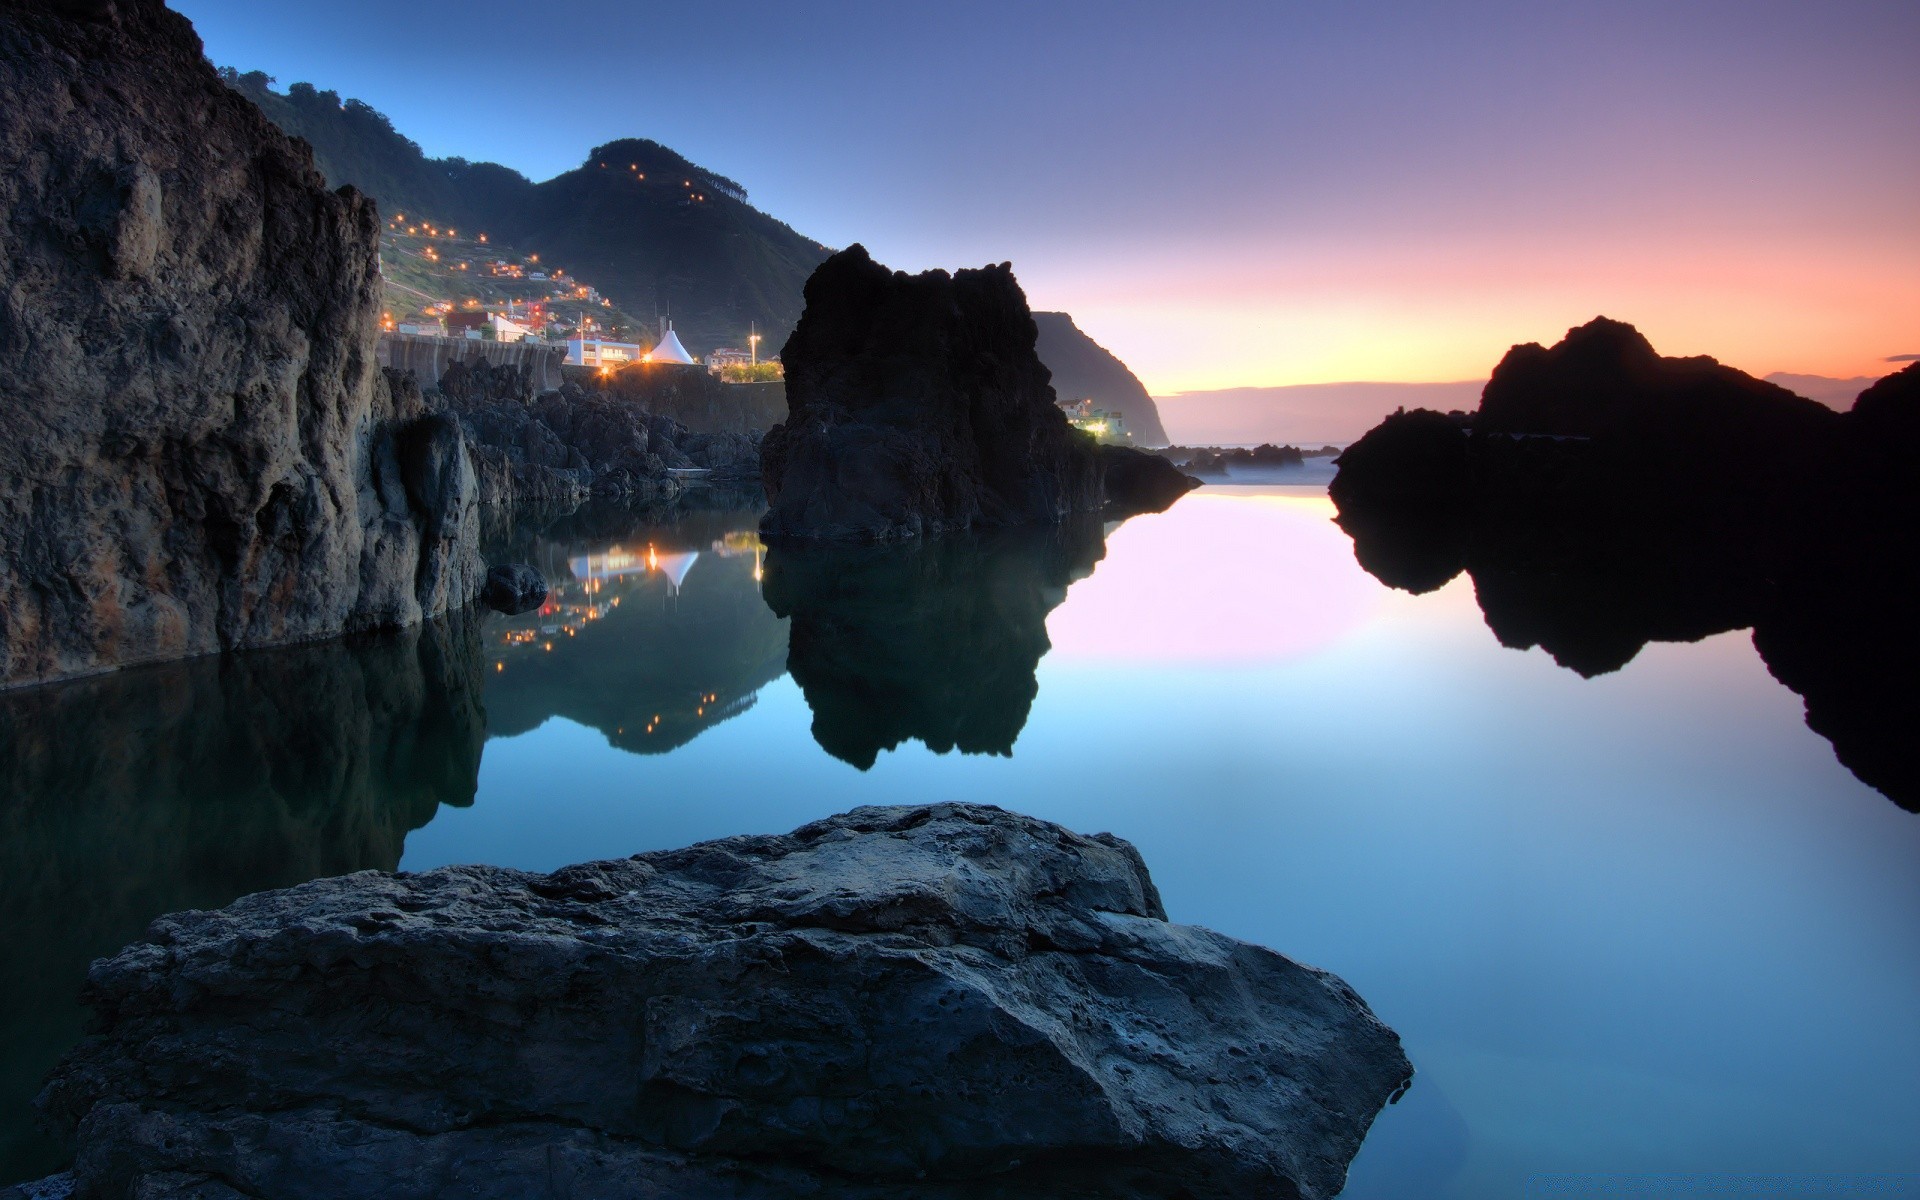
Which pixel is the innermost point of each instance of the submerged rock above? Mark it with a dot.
(202, 451)
(950, 1001)
(514, 588)
(917, 405)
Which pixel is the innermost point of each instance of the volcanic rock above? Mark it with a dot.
(1604, 497)
(916, 405)
(514, 588)
(950, 1001)
(203, 454)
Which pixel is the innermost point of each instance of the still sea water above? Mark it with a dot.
(1637, 926)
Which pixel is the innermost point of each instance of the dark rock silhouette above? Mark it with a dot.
(917, 405)
(513, 588)
(203, 454)
(936, 639)
(941, 1002)
(1604, 497)
(186, 784)
(1083, 367)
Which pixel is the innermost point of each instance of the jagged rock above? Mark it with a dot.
(478, 381)
(941, 1002)
(514, 588)
(916, 404)
(202, 454)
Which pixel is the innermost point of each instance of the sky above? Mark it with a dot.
(1239, 194)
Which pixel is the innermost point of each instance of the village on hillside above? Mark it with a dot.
(441, 284)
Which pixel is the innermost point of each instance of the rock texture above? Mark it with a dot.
(916, 405)
(203, 453)
(567, 445)
(932, 1002)
(1604, 497)
(513, 588)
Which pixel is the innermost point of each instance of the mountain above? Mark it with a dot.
(653, 231)
(1304, 414)
(1083, 367)
(1837, 394)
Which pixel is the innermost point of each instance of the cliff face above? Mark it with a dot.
(1083, 367)
(203, 453)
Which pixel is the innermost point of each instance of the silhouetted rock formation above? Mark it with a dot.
(202, 452)
(699, 401)
(935, 639)
(1215, 460)
(655, 626)
(941, 1002)
(1605, 497)
(186, 784)
(1081, 367)
(916, 405)
(513, 588)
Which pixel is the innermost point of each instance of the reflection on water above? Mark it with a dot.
(931, 639)
(188, 784)
(1636, 923)
(651, 633)
(1832, 613)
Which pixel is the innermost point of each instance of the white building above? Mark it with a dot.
(593, 352)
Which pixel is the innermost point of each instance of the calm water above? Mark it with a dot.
(1641, 923)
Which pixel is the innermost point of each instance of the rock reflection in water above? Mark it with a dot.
(935, 638)
(653, 629)
(188, 784)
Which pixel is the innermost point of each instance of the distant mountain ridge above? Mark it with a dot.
(649, 228)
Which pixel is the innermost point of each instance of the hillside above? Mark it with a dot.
(1083, 367)
(654, 233)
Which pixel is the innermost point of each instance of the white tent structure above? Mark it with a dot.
(669, 349)
(676, 566)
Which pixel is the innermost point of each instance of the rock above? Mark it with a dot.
(941, 1002)
(1605, 497)
(203, 453)
(1139, 482)
(514, 589)
(917, 405)
(935, 639)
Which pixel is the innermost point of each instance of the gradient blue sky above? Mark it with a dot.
(1239, 194)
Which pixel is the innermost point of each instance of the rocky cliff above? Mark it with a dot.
(203, 453)
(1083, 367)
(917, 404)
(1605, 496)
(941, 1002)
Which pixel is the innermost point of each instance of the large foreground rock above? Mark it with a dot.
(933, 1002)
(917, 405)
(202, 453)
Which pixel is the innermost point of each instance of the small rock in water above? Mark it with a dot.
(513, 589)
(950, 1002)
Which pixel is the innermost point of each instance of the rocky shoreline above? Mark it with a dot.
(944, 1001)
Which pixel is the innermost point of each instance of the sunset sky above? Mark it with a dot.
(1240, 194)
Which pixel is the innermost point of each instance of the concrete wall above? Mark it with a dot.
(429, 357)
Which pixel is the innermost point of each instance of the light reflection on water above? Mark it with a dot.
(1639, 923)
